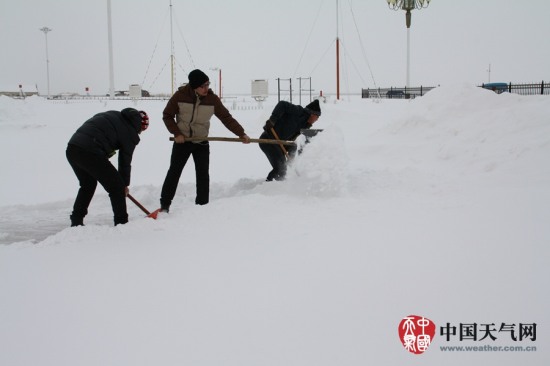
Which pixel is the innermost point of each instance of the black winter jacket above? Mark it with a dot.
(289, 119)
(107, 132)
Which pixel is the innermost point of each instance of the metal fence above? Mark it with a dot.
(396, 93)
(542, 88)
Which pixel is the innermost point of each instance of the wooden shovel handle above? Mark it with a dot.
(138, 204)
(236, 139)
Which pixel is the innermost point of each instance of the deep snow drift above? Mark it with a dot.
(437, 206)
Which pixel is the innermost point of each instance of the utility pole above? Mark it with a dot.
(337, 56)
(46, 30)
(171, 50)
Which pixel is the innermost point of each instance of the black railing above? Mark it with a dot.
(541, 88)
(396, 93)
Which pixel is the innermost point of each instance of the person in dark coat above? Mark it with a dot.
(88, 153)
(285, 123)
(187, 114)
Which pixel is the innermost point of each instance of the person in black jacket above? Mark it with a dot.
(285, 123)
(88, 153)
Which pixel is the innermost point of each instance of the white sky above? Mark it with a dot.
(451, 42)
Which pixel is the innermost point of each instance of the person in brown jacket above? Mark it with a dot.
(187, 114)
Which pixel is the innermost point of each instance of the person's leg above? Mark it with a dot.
(178, 159)
(91, 169)
(201, 157)
(87, 184)
(277, 160)
(112, 182)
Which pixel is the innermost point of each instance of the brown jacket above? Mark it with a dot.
(189, 115)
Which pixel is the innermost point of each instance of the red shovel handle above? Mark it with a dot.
(149, 214)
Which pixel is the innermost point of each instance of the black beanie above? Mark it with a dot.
(197, 78)
(314, 108)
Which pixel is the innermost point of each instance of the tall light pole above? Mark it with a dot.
(171, 50)
(337, 55)
(46, 30)
(408, 5)
(111, 64)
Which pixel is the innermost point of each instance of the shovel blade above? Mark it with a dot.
(154, 214)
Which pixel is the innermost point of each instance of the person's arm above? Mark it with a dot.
(169, 116)
(125, 164)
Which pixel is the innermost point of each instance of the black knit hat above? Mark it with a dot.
(314, 108)
(197, 78)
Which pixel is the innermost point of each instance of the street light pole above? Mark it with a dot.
(46, 30)
(408, 5)
(111, 63)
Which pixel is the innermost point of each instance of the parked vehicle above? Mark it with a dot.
(125, 93)
(496, 87)
(395, 94)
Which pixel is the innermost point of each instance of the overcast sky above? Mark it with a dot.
(451, 42)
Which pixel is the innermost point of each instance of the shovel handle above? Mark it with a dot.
(138, 204)
(276, 135)
(235, 139)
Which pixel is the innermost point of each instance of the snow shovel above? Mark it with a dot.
(280, 143)
(153, 214)
(235, 139)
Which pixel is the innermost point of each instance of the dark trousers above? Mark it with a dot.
(276, 158)
(90, 169)
(180, 155)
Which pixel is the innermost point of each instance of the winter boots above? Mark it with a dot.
(76, 221)
(79, 221)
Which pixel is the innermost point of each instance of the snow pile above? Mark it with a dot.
(322, 169)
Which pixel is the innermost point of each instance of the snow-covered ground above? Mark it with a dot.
(437, 206)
